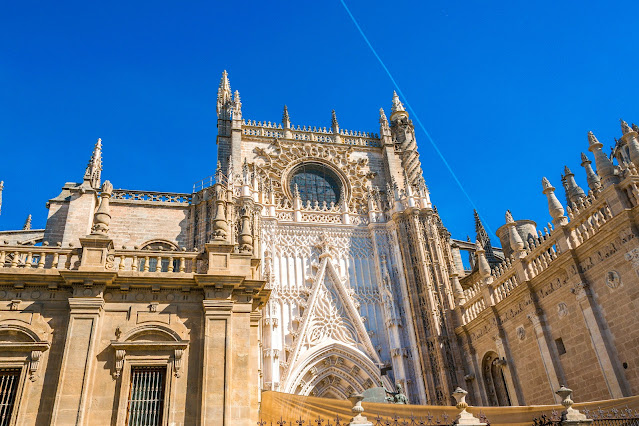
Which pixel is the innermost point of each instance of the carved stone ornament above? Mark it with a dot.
(521, 332)
(613, 279)
(633, 257)
(562, 309)
(282, 157)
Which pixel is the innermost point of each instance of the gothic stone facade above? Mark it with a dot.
(312, 262)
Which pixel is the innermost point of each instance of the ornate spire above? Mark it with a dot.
(573, 191)
(397, 104)
(237, 106)
(594, 183)
(334, 123)
(27, 224)
(94, 168)
(554, 206)
(286, 120)
(1, 188)
(223, 95)
(605, 168)
(483, 238)
(625, 128)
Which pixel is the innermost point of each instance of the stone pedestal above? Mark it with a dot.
(95, 253)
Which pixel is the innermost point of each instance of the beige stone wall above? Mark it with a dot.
(134, 224)
(599, 331)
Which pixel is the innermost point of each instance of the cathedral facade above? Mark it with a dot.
(313, 262)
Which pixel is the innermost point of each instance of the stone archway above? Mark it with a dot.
(494, 380)
(334, 371)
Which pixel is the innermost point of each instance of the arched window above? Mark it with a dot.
(494, 381)
(316, 183)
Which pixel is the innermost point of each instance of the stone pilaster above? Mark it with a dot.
(76, 373)
(546, 354)
(216, 362)
(604, 350)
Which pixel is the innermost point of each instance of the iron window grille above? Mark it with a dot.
(146, 396)
(9, 379)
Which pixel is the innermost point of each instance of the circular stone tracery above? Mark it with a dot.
(315, 183)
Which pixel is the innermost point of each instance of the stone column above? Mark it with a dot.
(75, 380)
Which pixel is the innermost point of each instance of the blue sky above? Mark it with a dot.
(507, 90)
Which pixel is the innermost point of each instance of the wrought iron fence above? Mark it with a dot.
(613, 416)
(610, 417)
(426, 420)
(553, 419)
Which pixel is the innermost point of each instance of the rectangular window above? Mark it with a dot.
(9, 378)
(146, 396)
(560, 346)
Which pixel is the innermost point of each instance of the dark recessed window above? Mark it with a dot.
(316, 183)
(560, 346)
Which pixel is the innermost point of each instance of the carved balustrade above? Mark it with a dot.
(308, 133)
(150, 197)
(38, 257)
(156, 261)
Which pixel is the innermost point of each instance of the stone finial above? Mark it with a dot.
(464, 417)
(102, 216)
(218, 172)
(554, 206)
(334, 123)
(397, 104)
(237, 106)
(1, 188)
(286, 120)
(245, 239)
(514, 239)
(573, 191)
(93, 171)
(223, 95)
(484, 267)
(296, 191)
(220, 225)
(358, 419)
(594, 183)
(570, 415)
(383, 121)
(631, 138)
(27, 224)
(230, 174)
(605, 168)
